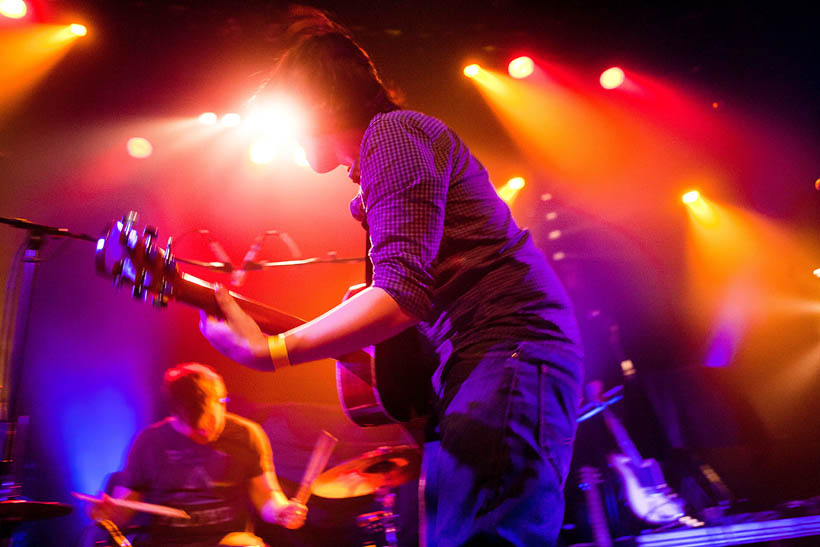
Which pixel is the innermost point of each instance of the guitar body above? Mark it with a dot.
(646, 492)
(393, 386)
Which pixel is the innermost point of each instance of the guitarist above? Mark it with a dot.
(449, 259)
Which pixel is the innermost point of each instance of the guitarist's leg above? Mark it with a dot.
(506, 431)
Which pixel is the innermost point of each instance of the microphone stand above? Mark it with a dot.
(12, 508)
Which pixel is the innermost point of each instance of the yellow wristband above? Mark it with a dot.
(278, 351)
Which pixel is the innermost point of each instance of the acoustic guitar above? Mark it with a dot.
(377, 386)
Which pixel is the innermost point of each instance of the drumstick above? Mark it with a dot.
(137, 506)
(318, 460)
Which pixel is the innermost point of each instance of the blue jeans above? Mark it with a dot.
(506, 427)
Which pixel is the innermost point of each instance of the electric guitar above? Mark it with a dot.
(371, 391)
(647, 494)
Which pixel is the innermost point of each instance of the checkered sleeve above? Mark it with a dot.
(404, 178)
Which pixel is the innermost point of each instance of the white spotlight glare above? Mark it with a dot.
(231, 119)
(208, 118)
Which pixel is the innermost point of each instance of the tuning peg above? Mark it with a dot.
(163, 296)
(150, 236)
(170, 262)
(116, 271)
(139, 286)
(128, 222)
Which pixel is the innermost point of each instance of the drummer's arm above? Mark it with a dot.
(115, 513)
(272, 504)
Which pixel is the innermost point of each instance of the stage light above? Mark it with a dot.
(516, 183)
(715, 105)
(520, 67)
(817, 185)
(546, 197)
(139, 147)
(231, 119)
(471, 71)
(77, 29)
(510, 190)
(299, 157)
(816, 272)
(13, 9)
(700, 209)
(554, 234)
(263, 151)
(690, 197)
(207, 118)
(280, 120)
(612, 78)
(559, 255)
(552, 215)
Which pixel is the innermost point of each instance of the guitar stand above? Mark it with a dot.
(383, 520)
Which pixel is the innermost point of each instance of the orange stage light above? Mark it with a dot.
(510, 190)
(521, 67)
(13, 9)
(612, 78)
(516, 183)
(690, 197)
(139, 147)
(471, 71)
(33, 50)
(78, 30)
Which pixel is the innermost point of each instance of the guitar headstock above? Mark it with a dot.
(135, 259)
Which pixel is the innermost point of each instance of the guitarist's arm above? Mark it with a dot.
(367, 318)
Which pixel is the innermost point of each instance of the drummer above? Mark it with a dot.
(202, 460)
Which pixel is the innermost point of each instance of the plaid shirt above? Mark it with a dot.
(445, 246)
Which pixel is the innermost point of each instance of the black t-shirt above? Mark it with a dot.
(208, 481)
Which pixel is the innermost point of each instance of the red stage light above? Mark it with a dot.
(13, 9)
(521, 67)
(612, 78)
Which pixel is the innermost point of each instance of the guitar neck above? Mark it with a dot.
(595, 507)
(200, 294)
(622, 437)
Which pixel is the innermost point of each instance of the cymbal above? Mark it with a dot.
(384, 467)
(32, 510)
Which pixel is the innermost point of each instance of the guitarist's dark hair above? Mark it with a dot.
(184, 387)
(329, 71)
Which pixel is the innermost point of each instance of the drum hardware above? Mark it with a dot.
(375, 472)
